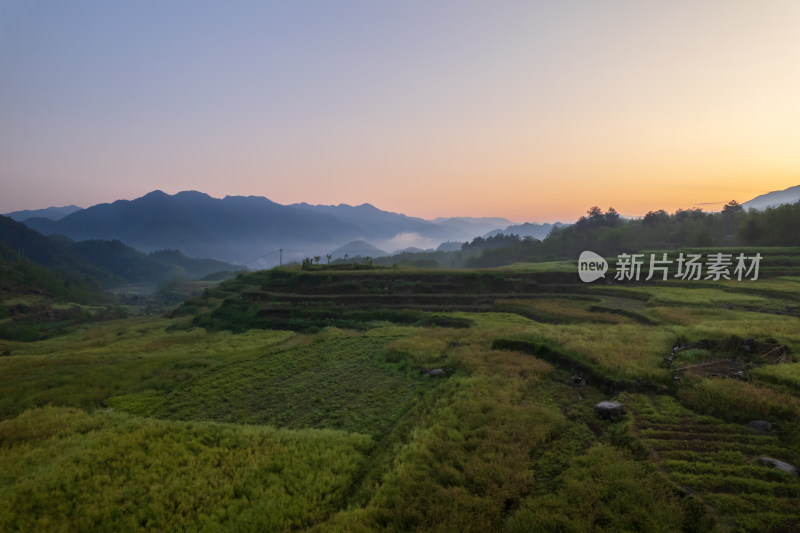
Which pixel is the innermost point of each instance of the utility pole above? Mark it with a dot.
(281, 258)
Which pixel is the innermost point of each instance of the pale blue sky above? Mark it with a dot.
(529, 110)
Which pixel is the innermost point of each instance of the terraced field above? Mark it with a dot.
(718, 462)
(349, 383)
(412, 400)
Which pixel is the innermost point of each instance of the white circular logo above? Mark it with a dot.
(591, 266)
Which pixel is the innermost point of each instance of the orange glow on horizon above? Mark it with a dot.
(530, 112)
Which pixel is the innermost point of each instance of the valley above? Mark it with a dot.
(413, 399)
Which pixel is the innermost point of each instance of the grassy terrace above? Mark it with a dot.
(287, 400)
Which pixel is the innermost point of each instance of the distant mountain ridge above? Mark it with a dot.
(470, 227)
(104, 261)
(537, 231)
(51, 213)
(235, 228)
(249, 230)
(375, 224)
(358, 248)
(238, 229)
(774, 199)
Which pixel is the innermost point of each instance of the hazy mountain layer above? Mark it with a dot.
(774, 198)
(250, 230)
(51, 213)
(106, 262)
(537, 231)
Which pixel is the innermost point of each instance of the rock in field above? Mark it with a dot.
(761, 427)
(609, 409)
(780, 465)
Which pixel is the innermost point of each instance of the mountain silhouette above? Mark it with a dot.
(104, 261)
(51, 213)
(357, 248)
(375, 224)
(774, 199)
(537, 231)
(240, 228)
(235, 228)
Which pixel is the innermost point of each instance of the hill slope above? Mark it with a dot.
(235, 228)
(51, 213)
(238, 228)
(51, 253)
(537, 231)
(357, 248)
(774, 198)
(105, 262)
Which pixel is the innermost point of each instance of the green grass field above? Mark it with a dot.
(208, 420)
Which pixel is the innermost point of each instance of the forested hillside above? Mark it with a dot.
(609, 234)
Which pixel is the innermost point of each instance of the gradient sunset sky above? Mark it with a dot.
(530, 110)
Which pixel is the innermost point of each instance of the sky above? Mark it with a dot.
(533, 111)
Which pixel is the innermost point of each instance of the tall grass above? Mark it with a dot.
(723, 323)
(339, 430)
(604, 490)
(785, 376)
(626, 350)
(87, 367)
(737, 400)
(337, 381)
(465, 466)
(62, 469)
